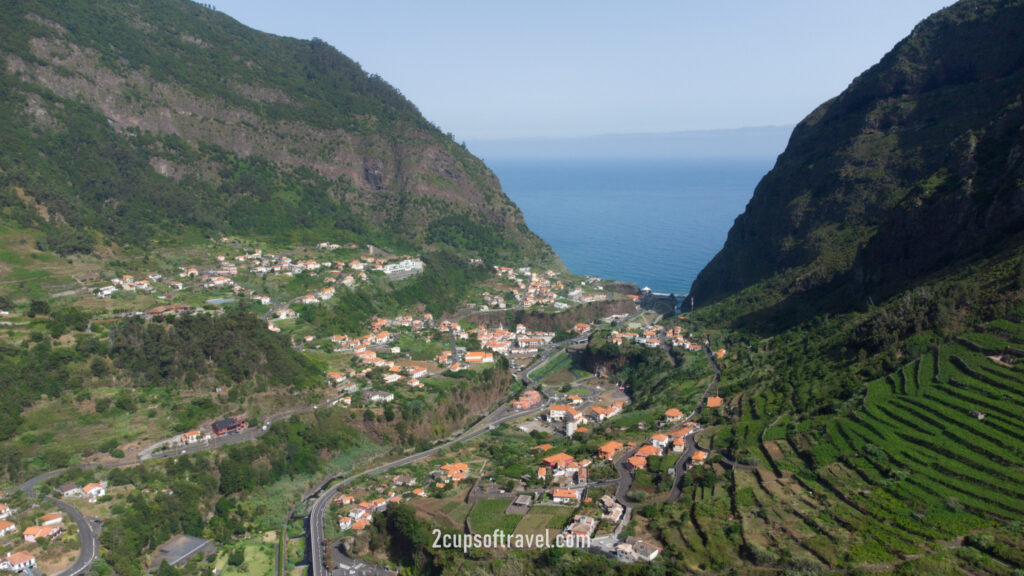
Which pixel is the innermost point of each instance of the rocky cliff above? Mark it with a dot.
(122, 121)
(915, 168)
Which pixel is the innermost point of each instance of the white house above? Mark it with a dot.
(17, 562)
(378, 396)
(94, 491)
(565, 496)
(7, 528)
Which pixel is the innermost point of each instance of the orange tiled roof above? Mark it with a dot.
(455, 468)
(610, 447)
(637, 461)
(559, 460)
(647, 450)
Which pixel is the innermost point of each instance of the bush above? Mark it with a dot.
(237, 556)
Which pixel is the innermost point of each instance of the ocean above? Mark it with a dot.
(653, 222)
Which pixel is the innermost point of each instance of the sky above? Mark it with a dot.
(487, 70)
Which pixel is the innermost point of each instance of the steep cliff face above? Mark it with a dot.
(123, 119)
(916, 167)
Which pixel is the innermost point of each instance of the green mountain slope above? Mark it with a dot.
(914, 169)
(870, 299)
(125, 122)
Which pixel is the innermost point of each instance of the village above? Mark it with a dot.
(578, 481)
(34, 535)
(577, 447)
(578, 493)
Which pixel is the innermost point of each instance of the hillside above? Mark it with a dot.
(128, 123)
(914, 169)
(870, 299)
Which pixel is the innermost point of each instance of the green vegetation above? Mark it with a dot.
(236, 344)
(444, 284)
(222, 484)
(561, 361)
(150, 362)
(352, 140)
(489, 515)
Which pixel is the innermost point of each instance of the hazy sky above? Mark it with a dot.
(485, 69)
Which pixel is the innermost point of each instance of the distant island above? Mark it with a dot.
(757, 141)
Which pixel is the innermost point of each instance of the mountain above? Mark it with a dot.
(757, 141)
(914, 170)
(128, 122)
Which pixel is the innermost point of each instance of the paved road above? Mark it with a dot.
(691, 447)
(502, 414)
(319, 508)
(622, 489)
(88, 529)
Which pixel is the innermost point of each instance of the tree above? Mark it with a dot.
(237, 556)
(38, 308)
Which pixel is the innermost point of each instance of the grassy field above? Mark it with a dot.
(449, 512)
(419, 349)
(562, 361)
(259, 560)
(544, 518)
(489, 515)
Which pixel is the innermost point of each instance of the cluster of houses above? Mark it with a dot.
(128, 283)
(495, 301)
(570, 478)
(230, 425)
(529, 399)
(573, 419)
(532, 289)
(654, 336)
(658, 444)
(357, 516)
(378, 336)
(578, 295)
(631, 550)
(506, 342)
(634, 549)
(394, 373)
(564, 474)
(47, 527)
(90, 492)
(497, 341)
(538, 290)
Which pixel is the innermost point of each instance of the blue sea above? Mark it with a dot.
(653, 222)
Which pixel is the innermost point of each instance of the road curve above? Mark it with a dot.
(88, 530)
(317, 564)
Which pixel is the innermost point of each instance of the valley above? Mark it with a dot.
(258, 315)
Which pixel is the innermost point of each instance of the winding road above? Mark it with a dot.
(691, 447)
(88, 529)
(319, 564)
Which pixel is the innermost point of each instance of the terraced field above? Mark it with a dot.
(926, 476)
